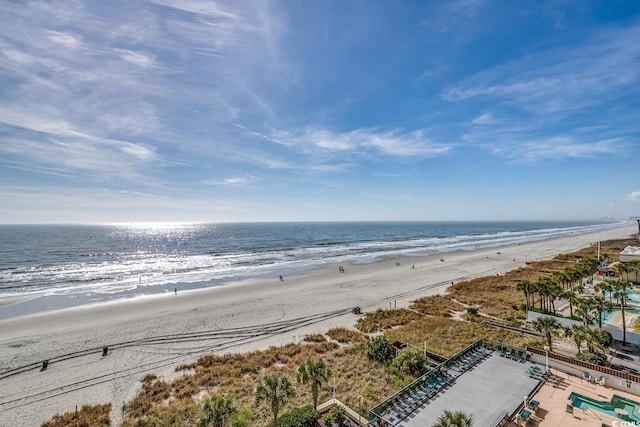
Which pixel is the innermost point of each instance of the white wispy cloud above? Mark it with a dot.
(233, 181)
(634, 196)
(555, 148)
(393, 142)
(561, 79)
(484, 119)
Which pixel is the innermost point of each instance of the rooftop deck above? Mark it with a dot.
(493, 386)
(480, 382)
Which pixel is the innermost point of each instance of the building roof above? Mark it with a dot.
(631, 250)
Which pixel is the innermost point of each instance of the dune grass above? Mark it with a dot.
(87, 416)
(344, 335)
(436, 305)
(384, 319)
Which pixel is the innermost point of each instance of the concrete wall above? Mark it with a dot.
(616, 333)
(532, 315)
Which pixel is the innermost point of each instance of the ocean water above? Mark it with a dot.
(75, 264)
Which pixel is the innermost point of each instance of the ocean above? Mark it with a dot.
(57, 266)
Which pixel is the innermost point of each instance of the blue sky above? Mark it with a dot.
(169, 110)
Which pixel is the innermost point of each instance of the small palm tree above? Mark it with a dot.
(315, 373)
(579, 334)
(620, 288)
(275, 390)
(548, 326)
(450, 418)
(217, 412)
(525, 287)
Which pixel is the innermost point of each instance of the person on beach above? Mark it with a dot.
(175, 291)
(281, 279)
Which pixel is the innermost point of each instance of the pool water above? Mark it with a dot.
(617, 402)
(606, 315)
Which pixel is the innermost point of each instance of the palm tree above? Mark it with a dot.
(601, 305)
(524, 286)
(541, 285)
(450, 418)
(548, 326)
(578, 333)
(622, 268)
(585, 310)
(627, 268)
(217, 412)
(605, 286)
(571, 298)
(275, 390)
(635, 266)
(560, 278)
(554, 290)
(544, 289)
(620, 292)
(315, 373)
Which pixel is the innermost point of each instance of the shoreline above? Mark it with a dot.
(17, 305)
(246, 315)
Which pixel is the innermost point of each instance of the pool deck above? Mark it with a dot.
(552, 411)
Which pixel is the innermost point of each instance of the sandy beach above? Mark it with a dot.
(155, 334)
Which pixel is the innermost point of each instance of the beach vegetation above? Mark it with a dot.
(314, 373)
(275, 390)
(153, 391)
(450, 418)
(217, 412)
(242, 418)
(595, 358)
(436, 305)
(315, 338)
(179, 412)
(337, 415)
(446, 337)
(410, 361)
(549, 326)
(620, 288)
(305, 416)
(379, 349)
(87, 416)
(344, 335)
(380, 319)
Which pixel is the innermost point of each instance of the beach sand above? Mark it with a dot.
(155, 334)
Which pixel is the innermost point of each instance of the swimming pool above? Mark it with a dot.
(606, 315)
(631, 407)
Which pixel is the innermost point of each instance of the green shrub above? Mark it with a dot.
(411, 361)
(242, 418)
(596, 358)
(472, 310)
(305, 416)
(337, 415)
(379, 349)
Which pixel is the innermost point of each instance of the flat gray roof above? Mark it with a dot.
(494, 385)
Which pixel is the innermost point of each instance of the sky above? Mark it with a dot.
(234, 111)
